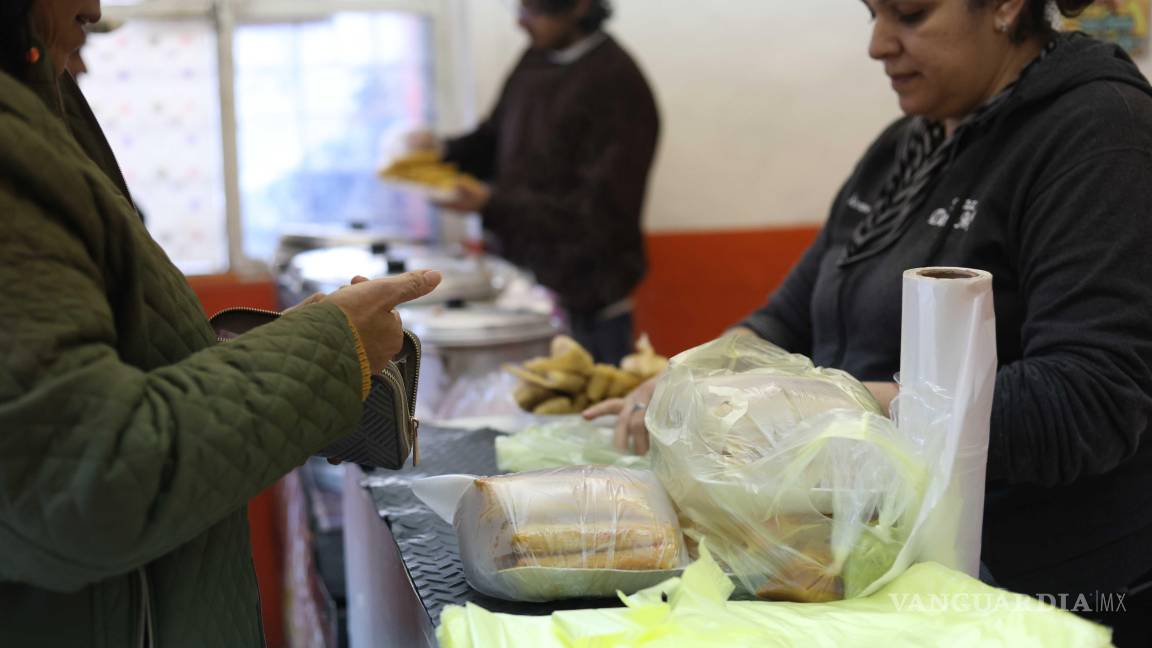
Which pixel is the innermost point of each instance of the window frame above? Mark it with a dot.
(447, 31)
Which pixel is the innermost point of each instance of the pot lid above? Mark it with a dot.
(465, 277)
(476, 326)
(313, 236)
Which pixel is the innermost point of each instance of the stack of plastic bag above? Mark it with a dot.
(565, 443)
(928, 605)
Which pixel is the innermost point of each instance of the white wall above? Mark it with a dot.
(1145, 62)
(766, 105)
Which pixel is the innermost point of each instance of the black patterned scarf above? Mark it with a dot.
(924, 155)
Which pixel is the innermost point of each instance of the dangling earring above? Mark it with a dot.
(32, 55)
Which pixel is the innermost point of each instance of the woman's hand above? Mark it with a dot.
(631, 433)
(314, 298)
(885, 393)
(422, 140)
(471, 197)
(369, 306)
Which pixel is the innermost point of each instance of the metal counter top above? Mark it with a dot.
(432, 572)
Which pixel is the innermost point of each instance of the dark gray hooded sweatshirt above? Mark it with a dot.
(1052, 194)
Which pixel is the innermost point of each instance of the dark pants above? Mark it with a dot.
(1132, 626)
(609, 340)
(1131, 621)
(1129, 617)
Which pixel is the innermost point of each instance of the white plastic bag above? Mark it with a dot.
(948, 370)
(581, 532)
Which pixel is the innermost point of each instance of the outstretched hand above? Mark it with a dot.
(370, 306)
(630, 433)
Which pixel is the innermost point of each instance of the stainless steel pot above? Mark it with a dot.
(464, 349)
(467, 277)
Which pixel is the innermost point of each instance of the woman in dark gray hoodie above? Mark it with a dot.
(1026, 153)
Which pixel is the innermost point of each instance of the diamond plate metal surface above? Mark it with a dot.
(427, 543)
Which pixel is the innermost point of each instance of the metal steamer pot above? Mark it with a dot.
(465, 346)
(303, 237)
(467, 277)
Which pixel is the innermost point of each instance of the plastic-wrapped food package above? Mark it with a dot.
(801, 486)
(581, 532)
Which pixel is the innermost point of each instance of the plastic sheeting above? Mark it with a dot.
(927, 606)
(572, 442)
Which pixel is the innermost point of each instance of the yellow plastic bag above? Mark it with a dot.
(566, 443)
(928, 605)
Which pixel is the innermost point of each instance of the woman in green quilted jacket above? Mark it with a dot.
(129, 440)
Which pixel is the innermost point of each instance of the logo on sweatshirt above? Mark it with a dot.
(964, 219)
(854, 202)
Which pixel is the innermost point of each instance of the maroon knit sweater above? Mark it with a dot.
(567, 150)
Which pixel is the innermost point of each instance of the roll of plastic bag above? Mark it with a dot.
(947, 375)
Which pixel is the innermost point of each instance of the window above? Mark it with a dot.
(154, 87)
(235, 121)
(318, 104)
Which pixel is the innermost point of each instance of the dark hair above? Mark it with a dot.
(15, 36)
(1034, 17)
(598, 13)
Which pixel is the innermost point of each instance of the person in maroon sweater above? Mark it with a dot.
(565, 156)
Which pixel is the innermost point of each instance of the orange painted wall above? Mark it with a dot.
(700, 283)
(216, 293)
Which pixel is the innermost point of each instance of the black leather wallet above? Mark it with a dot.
(388, 431)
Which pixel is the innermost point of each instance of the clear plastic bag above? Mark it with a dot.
(800, 484)
(485, 393)
(581, 532)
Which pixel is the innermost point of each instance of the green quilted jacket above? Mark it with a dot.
(129, 440)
